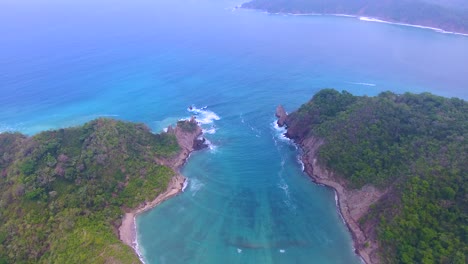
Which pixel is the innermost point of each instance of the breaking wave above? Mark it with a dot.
(203, 116)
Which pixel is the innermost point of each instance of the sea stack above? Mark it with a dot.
(281, 115)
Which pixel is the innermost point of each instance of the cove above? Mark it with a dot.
(247, 200)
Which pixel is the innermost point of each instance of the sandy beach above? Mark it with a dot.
(188, 142)
(127, 231)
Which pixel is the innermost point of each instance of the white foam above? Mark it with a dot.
(364, 83)
(282, 250)
(136, 246)
(439, 30)
(284, 187)
(203, 115)
(338, 207)
(213, 148)
(195, 186)
(371, 19)
(184, 186)
(239, 250)
(299, 160)
(211, 130)
(280, 132)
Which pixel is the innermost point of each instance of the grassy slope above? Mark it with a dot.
(417, 145)
(62, 192)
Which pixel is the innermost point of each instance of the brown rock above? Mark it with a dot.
(281, 115)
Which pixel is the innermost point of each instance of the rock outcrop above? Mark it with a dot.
(281, 115)
(189, 140)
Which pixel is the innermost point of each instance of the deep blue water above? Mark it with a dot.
(62, 64)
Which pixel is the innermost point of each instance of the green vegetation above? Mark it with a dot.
(432, 13)
(63, 191)
(414, 145)
(187, 126)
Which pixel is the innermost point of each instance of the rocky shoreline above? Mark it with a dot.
(189, 141)
(353, 204)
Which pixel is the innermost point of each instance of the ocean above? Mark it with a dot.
(247, 199)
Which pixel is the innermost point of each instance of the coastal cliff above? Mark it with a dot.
(353, 204)
(398, 164)
(63, 192)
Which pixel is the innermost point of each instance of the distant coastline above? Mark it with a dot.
(362, 17)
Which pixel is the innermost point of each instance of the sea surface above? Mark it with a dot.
(63, 63)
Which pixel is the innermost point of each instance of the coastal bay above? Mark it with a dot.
(247, 198)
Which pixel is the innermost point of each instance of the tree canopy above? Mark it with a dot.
(63, 191)
(414, 145)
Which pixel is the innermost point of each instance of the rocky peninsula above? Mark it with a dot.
(353, 204)
(72, 186)
(188, 135)
(398, 164)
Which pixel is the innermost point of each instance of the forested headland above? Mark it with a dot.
(413, 146)
(63, 192)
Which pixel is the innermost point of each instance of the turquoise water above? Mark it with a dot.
(62, 64)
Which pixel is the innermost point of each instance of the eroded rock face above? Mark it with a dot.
(281, 115)
(199, 143)
(353, 204)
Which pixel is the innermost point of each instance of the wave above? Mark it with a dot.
(280, 132)
(299, 160)
(337, 203)
(439, 30)
(211, 130)
(363, 83)
(213, 148)
(203, 115)
(184, 186)
(195, 186)
(371, 19)
(138, 249)
(205, 119)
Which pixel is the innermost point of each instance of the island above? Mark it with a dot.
(70, 195)
(438, 15)
(399, 165)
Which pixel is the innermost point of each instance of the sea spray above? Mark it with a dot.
(203, 115)
(280, 132)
